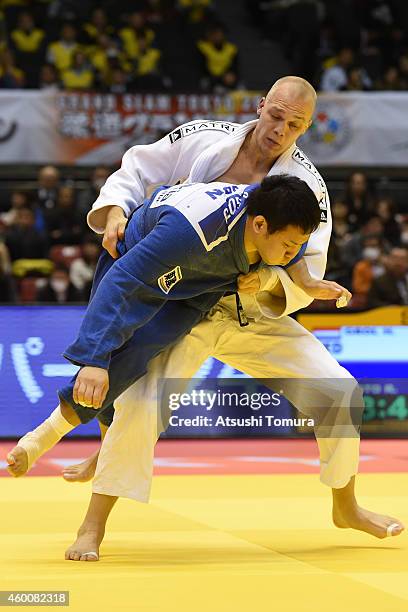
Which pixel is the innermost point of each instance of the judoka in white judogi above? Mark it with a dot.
(273, 345)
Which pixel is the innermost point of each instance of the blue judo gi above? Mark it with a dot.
(183, 249)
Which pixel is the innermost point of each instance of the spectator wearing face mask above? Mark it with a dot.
(353, 248)
(369, 267)
(392, 286)
(59, 288)
(82, 269)
(88, 196)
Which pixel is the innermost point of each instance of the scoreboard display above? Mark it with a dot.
(373, 346)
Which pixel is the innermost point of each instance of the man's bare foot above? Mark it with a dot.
(86, 546)
(17, 460)
(81, 472)
(354, 517)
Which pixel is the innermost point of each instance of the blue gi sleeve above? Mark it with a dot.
(133, 290)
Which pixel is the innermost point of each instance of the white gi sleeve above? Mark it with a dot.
(315, 257)
(161, 163)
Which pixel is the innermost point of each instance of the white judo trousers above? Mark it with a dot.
(267, 348)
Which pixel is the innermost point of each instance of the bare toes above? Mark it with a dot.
(397, 530)
(88, 557)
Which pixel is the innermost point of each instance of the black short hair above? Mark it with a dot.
(285, 200)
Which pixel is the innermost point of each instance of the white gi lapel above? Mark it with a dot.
(215, 160)
(281, 165)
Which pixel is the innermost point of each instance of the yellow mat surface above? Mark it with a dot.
(213, 543)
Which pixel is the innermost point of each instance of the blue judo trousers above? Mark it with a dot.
(183, 249)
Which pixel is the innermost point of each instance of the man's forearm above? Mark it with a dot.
(299, 273)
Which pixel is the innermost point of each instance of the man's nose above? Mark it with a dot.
(280, 129)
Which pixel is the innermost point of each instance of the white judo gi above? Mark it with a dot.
(273, 345)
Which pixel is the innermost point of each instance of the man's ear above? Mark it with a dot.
(261, 104)
(260, 225)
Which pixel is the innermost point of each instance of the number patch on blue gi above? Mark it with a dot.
(168, 280)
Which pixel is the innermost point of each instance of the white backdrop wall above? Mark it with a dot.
(363, 129)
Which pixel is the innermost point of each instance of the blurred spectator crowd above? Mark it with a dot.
(341, 45)
(48, 254)
(115, 47)
(369, 247)
(182, 45)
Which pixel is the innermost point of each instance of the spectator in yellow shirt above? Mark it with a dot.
(26, 38)
(107, 56)
(97, 27)
(133, 32)
(60, 52)
(195, 11)
(220, 59)
(147, 71)
(80, 75)
(28, 44)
